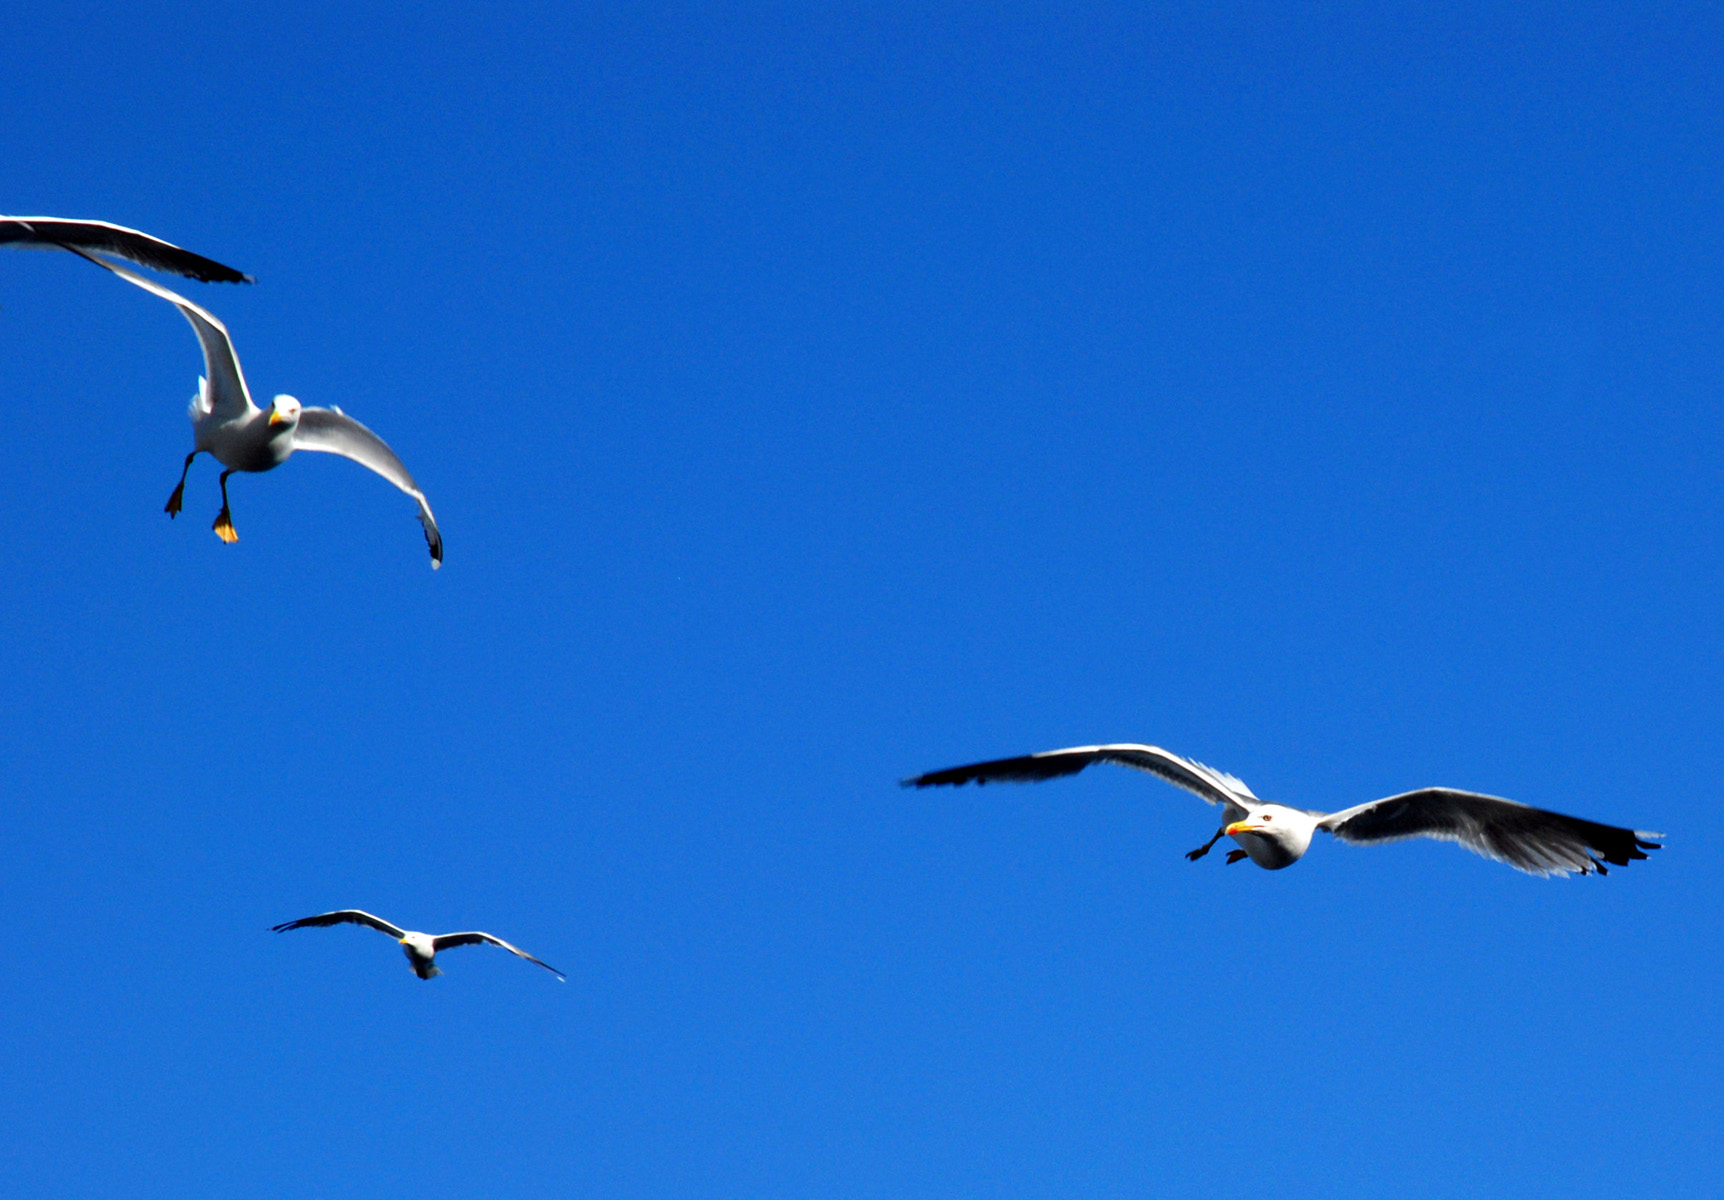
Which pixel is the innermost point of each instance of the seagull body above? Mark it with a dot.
(243, 437)
(421, 949)
(104, 238)
(1274, 836)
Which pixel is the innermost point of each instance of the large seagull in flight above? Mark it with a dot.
(421, 948)
(1275, 836)
(243, 437)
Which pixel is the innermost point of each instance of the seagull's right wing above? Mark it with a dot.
(1534, 840)
(334, 432)
(445, 941)
(345, 916)
(224, 394)
(1217, 787)
(131, 244)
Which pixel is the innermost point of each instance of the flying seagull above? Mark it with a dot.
(244, 437)
(117, 240)
(421, 948)
(1275, 836)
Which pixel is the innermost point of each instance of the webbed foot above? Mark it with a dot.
(173, 508)
(1234, 856)
(224, 527)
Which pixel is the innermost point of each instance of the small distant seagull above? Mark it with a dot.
(130, 244)
(243, 437)
(1275, 836)
(420, 948)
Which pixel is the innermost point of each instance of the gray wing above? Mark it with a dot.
(332, 431)
(445, 941)
(1217, 787)
(131, 244)
(345, 916)
(1529, 839)
(223, 393)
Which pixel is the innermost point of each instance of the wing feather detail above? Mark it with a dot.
(331, 431)
(224, 393)
(130, 244)
(1217, 787)
(446, 941)
(344, 916)
(1529, 839)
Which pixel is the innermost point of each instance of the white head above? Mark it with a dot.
(285, 411)
(1274, 835)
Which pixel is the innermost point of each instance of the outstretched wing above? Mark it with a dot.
(345, 916)
(130, 244)
(445, 941)
(224, 394)
(1529, 839)
(1217, 787)
(332, 431)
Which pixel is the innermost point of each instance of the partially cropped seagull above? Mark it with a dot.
(117, 240)
(243, 437)
(421, 948)
(1275, 836)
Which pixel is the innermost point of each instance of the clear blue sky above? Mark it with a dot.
(809, 398)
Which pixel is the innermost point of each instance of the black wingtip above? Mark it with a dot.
(214, 272)
(942, 779)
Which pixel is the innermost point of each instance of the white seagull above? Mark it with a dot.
(420, 948)
(104, 238)
(243, 437)
(1275, 836)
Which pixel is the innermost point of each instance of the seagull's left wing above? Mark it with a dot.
(342, 916)
(334, 432)
(105, 238)
(1217, 787)
(1529, 839)
(445, 941)
(223, 392)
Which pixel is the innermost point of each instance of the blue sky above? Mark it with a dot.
(811, 397)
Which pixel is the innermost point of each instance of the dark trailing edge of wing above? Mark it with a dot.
(129, 244)
(1026, 768)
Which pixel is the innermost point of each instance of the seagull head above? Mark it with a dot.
(285, 411)
(1274, 835)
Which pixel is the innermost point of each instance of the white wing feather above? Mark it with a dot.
(331, 431)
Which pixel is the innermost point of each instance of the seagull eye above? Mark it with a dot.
(1268, 817)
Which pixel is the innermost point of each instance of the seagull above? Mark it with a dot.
(1274, 836)
(104, 238)
(421, 948)
(243, 437)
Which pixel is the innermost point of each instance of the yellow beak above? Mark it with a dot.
(1241, 827)
(275, 417)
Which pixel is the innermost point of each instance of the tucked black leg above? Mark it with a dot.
(1234, 856)
(173, 508)
(1198, 853)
